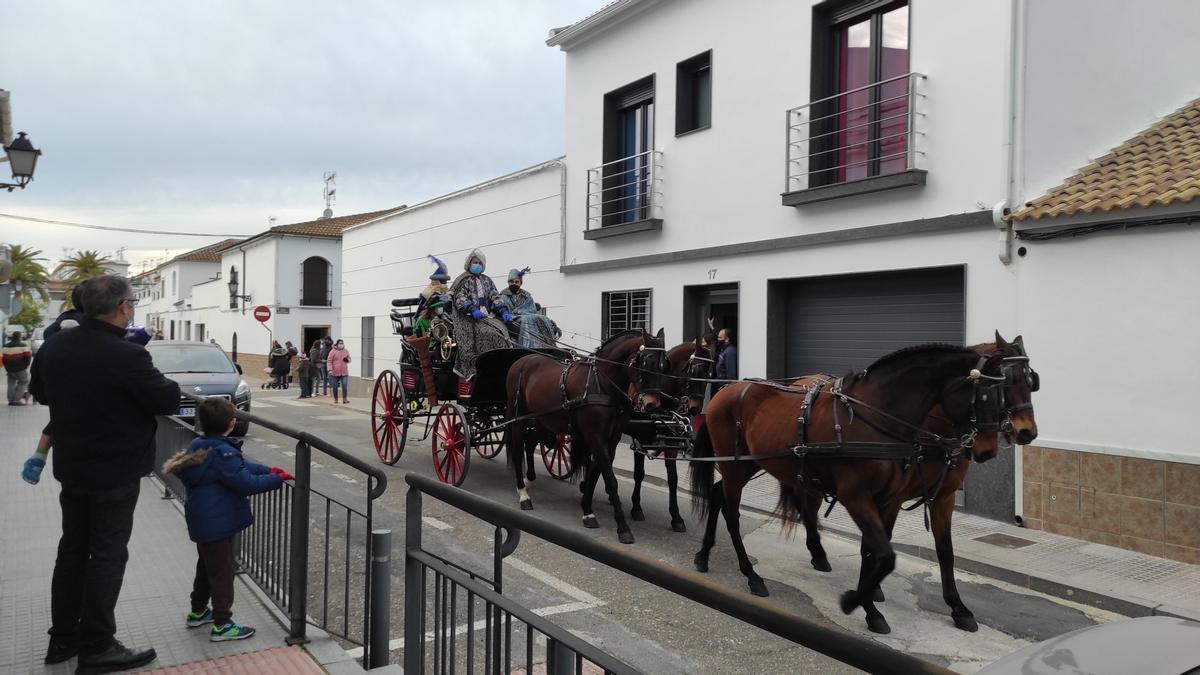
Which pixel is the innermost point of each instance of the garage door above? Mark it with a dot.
(843, 323)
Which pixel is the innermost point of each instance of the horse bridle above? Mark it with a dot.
(641, 371)
(988, 395)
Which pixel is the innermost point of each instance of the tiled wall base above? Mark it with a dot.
(1143, 505)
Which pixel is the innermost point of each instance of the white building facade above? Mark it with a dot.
(831, 179)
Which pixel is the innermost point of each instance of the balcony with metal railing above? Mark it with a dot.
(625, 196)
(862, 140)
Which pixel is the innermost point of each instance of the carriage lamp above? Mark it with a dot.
(233, 289)
(22, 157)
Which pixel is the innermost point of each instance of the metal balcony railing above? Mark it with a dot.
(625, 190)
(868, 131)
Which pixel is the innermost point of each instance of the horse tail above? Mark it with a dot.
(514, 411)
(701, 473)
(788, 509)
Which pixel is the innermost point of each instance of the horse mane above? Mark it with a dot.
(618, 336)
(889, 358)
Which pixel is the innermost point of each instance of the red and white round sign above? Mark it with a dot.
(262, 313)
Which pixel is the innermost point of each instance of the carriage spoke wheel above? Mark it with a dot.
(389, 417)
(451, 444)
(490, 444)
(558, 458)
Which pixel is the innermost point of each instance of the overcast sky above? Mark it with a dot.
(212, 116)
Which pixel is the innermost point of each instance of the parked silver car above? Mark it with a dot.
(201, 369)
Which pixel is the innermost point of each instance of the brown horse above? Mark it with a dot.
(683, 391)
(881, 405)
(933, 481)
(586, 399)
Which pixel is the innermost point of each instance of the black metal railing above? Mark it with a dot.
(564, 652)
(277, 552)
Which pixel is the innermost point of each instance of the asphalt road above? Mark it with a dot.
(649, 628)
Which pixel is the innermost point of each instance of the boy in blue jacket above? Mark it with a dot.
(218, 481)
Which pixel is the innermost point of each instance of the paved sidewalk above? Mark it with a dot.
(158, 578)
(1103, 576)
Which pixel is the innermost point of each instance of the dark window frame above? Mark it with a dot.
(690, 106)
(306, 296)
(633, 95)
(827, 18)
(368, 347)
(607, 329)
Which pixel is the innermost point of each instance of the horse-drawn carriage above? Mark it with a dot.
(461, 415)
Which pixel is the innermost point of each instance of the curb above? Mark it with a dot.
(1127, 605)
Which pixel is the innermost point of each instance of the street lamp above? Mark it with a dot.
(233, 289)
(22, 157)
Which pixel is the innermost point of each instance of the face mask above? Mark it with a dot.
(438, 311)
(514, 289)
(476, 268)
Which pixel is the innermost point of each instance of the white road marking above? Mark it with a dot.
(344, 477)
(273, 446)
(255, 438)
(437, 524)
(317, 465)
(556, 583)
(258, 403)
(290, 453)
(334, 418)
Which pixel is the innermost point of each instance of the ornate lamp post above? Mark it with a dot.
(22, 157)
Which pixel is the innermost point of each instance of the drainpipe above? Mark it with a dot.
(562, 216)
(1014, 110)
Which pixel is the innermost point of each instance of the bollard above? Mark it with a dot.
(381, 592)
(298, 555)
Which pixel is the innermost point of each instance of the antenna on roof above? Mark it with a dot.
(330, 193)
(271, 221)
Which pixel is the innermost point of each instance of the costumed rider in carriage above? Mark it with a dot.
(476, 307)
(430, 309)
(530, 328)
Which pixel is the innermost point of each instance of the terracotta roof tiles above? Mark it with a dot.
(210, 253)
(1158, 167)
(330, 227)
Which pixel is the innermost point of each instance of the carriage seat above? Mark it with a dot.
(406, 302)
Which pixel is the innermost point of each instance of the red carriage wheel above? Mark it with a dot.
(490, 444)
(558, 458)
(389, 417)
(451, 444)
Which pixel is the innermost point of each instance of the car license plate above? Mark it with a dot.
(187, 412)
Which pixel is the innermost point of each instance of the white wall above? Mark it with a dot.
(1111, 322)
(515, 220)
(1097, 73)
(723, 184)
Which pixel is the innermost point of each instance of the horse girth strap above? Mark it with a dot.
(855, 450)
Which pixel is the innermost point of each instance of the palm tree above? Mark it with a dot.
(34, 280)
(80, 267)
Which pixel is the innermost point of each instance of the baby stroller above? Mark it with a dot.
(279, 372)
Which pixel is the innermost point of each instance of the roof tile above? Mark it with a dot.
(330, 227)
(1158, 167)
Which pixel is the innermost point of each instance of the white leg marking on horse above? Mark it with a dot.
(523, 495)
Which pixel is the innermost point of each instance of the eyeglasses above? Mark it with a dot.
(132, 301)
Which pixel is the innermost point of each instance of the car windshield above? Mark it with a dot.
(189, 359)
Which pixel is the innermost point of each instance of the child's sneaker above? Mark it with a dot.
(197, 619)
(230, 631)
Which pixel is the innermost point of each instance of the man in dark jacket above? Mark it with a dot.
(103, 393)
(727, 361)
(17, 357)
(71, 317)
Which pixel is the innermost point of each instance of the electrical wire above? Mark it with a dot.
(120, 229)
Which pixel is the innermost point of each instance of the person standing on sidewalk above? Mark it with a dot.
(304, 374)
(17, 358)
(103, 392)
(326, 345)
(338, 363)
(316, 366)
(218, 481)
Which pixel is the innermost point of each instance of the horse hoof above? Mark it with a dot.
(526, 504)
(878, 595)
(625, 537)
(637, 514)
(822, 565)
(678, 526)
(848, 602)
(878, 624)
(966, 622)
(590, 522)
(758, 587)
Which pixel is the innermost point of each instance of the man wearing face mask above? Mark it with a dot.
(103, 392)
(533, 330)
(727, 365)
(477, 306)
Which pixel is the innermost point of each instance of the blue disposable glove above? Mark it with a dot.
(477, 313)
(32, 471)
(138, 335)
(506, 317)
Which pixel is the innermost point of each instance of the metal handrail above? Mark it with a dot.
(847, 648)
(856, 90)
(644, 178)
(847, 111)
(644, 153)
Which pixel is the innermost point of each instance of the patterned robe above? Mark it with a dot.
(534, 331)
(476, 336)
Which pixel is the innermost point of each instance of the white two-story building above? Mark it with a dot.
(832, 180)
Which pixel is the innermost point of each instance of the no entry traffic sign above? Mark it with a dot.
(262, 313)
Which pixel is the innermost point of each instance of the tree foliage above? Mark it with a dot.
(78, 268)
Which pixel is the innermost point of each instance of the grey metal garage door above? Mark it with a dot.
(843, 323)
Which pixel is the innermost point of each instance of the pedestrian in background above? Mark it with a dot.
(104, 393)
(304, 374)
(339, 370)
(727, 360)
(218, 481)
(326, 345)
(17, 358)
(316, 365)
